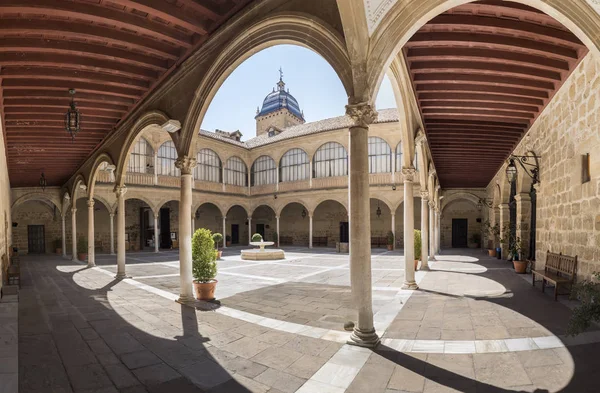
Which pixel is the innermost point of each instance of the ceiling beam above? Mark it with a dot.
(462, 66)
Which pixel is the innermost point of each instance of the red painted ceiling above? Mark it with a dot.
(482, 73)
(113, 52)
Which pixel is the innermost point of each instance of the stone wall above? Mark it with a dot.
(5, 213)
(460, 209)
(568, 211)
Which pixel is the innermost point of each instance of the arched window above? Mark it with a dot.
(141, 159)
(330, 160)
(294, 166)
(236, 172)
(399, 158)
(167, 155)
(380, 156)
(209, 166)
(264, 171)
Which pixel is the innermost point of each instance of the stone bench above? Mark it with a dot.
(319, 241)
(377, 241)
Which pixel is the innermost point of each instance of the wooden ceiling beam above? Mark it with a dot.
(51, 111)
(206, 8)
(478, 123)
(462, 66)
(55, 94)
(61, 104)
(81, 30)
(481, 112)
(470, 39)
(487, 55)
(60, 85)
(99, 15)
(72, 62)
(476, 104)
(479, 97)
(483, 79)
(497, 118)
(464, 87)
(73, 75)
(32, 121)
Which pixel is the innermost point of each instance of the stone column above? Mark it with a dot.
(156, 234)
(112, 234)
(277, 219)
(193, 223)
(310, 231)
(156, 168)
(523, 221)
(120, 192)
(409, 229)
(64, 236)
(432, 234)
(249, 230)
(74, 230)
(186, 165)
(224, 232)
(394, 228)
(424, 230)
(504, 223)
(438, 230)
(91, 250)
(360, 225)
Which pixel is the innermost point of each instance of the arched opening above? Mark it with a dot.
(381, 222)
(264, 171)
(209, 216)
(209, 168)
(330, 160)
(237, 226)
(39, 225)
(166, 157)
(461, 222)
(236, 172)
(141, 158)
(294, 166)
(264, 223)
(330, 224)
(139, 226)
(380, 156)
(400, 220)
(294, 225)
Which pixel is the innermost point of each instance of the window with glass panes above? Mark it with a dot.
(236, 172)
(264, 171)
(209, 166)
(294, 166)
(399, 158)
(167, 155)
(141, 159)
(380, 156)
(330, 160)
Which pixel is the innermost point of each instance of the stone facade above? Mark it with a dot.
(5, 211)
(460, 210)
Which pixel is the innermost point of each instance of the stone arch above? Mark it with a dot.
(200, 204)
(232, 205)
(142, 197)
(280, 209)
(254, 208)
(320, 200)
(38, 196)
(406, 18)
(79, 180)
(112, 208)
(283, 28)
(103, 157)
(149, 119)
(459, 196)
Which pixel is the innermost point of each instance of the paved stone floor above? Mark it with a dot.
(474, 326)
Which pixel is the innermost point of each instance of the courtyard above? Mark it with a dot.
(474, 326)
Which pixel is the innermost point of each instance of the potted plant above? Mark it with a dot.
(418, 247)
(204, 265)
(515, 250)
(390, 240)
(476, 240)
(57, 243)
(257, 238)
(82, 249)
(218, 238)
(588, 311)
(228, 240)
(491, 232)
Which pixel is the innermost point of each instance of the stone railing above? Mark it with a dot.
(169, 181)
(263, 189)
(103, 177)
(294, 186)
(380, 178)
(330, 182)
(201, 185)
(229, 188)
(142, 179)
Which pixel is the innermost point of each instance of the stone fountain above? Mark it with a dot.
(262, 254)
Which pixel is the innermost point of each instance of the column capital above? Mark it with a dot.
(120, 191)
(73, 210)
(409, 174)
(112, 215)
(420, 138)
(425, 195)
(90, 202)
(186, 164)
(523, 197)
(432, 204)
(503, 206)
(362, 114)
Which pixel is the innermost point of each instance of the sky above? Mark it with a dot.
(310, 79)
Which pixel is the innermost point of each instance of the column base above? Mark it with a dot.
(183, 299)
(410, 285)
(121, 276)
(368, 339)
(91, 265)
(432, 258)
(425, 268)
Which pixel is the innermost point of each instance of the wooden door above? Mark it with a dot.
(344, 232)
(36, 241)
(460, 228)
(235, 234)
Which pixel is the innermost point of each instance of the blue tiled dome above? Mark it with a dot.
(280, 99)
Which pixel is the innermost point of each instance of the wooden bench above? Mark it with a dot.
(560, 270)
(286, 241)
(378, 241)
(319, 241)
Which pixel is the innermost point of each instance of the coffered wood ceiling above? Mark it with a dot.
(482, 73)
(113, 52)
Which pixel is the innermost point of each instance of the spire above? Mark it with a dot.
(281, 83)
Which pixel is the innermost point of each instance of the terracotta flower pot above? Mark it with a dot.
(228, 243)
(520, 266)
(205, 290)
(81, 256)
(58, 251)
(492, 252)
(219, 254)
(416, 264)
(390, 247)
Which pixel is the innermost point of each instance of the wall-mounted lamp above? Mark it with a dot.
(303, 213)
(394, 188)
(378, 211)
(531, 169)
(275, 196)
(43, 182)
(485, 201)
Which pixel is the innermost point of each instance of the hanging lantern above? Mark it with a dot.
(43, 182)
(511, 171)
(72, 117)
(378, 211)
(303, 213)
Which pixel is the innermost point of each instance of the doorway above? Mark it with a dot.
(260, 229)
(235, 234)
(165, 228)
(460, 228)
(36, 240)
(344, 232)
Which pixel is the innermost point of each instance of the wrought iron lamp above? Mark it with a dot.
(303, 213)
(72, 117)
(532, 169)
(378, 211)
(484, 201)
(43, 182)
